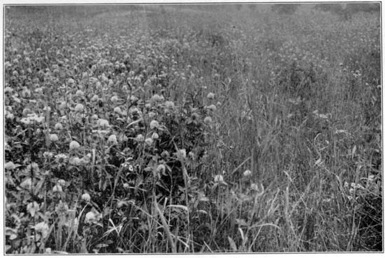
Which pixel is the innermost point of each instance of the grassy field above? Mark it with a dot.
(192, 129)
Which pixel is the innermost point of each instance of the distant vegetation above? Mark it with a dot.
(288, 9)
(346, 11)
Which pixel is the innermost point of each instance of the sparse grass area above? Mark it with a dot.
(154, 129)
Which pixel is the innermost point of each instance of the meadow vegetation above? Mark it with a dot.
(212, 128)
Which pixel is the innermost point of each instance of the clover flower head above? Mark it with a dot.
(147, 106)
(9, 165)
(154, 124)
(210, 95)
(62, 105)
(132, 98)
(47, 108)
(53, 137)
(114, 99)
(27, 183)
(47, 154)
(61, 158)
(192, 155)
(61, 208)
(139, 138)
(169, 104)
(71, 81)
(95, 98)
(26, 111)
(74, 145)
(86, 197)
(165, 154)
(39, 90)
(76, 161)
(8, 90)
(31, 118)
(208, 120)
(156, 98)
(134, 111)
(35, 118)
(7, 64)
(32, 207)
(9, 115)
(247, 173)
(149, 141)
(103, 123)
(194, 116)
(155, 136)
(34, 166)
(58, 126)
(256, 187)
(90, 217)
(118, 110)
(79, 93)
(85, 160)
(42, 228)
(26, 93)
(181, 153)
(61, 182)
(112, 139)
(79, 108)
(211, 107)
(161, 168)
(218, 179)
(57, 188)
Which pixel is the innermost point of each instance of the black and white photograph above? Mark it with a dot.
(192, 128)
